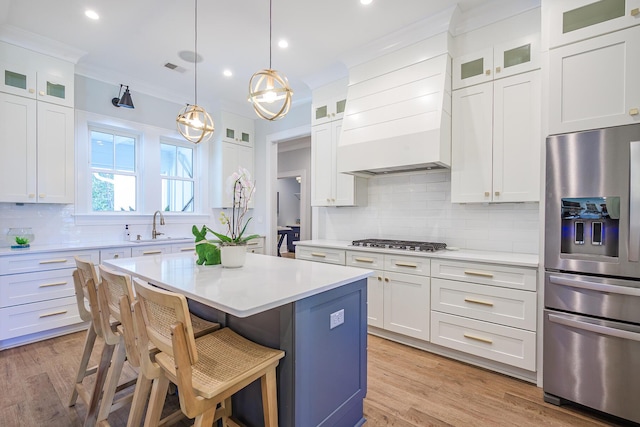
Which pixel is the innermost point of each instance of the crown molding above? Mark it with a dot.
(28, 40)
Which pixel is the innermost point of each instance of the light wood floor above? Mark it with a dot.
(406, 387)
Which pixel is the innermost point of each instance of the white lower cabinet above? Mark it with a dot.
(114, 253)
(328, 255)
(37, 294)
(256, 246)
(398, 293)
(151, 250)
(487, 310)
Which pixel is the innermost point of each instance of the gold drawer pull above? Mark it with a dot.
(386, 279)
(369, 260)
(187, 249)
(380, 278)
(635, 12)
(53, 261)
(473, 337)
(475, 301)
(252, 243)
(318, 254)
(634, 112)
(478, 273)
(55, 313)
(45, 285)
(406, 264)
(151, 252)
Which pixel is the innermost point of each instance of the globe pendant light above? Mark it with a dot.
(193, 121)
(269, 92)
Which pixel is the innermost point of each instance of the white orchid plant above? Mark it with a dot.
(241, 188)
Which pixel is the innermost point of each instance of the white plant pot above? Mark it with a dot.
(233, 256)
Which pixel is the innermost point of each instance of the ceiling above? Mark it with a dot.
(132, 40)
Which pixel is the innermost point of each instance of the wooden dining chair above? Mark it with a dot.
(115, 297)
(207, 370)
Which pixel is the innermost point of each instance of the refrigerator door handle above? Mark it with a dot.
(593, 286)
(598, 329)
(634, 201)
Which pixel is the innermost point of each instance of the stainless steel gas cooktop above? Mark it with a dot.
(408, 245)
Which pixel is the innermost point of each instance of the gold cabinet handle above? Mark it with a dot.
(406, 264)
(488, 72)
(497, 193)
(379, 278)
(116, 256)
(473, 337)
(32, 195)
(369, 260)
(151, 252)
(187, 249)
(498, 69)
(476, 301)
(635, 12)
(318, 254)
(55, 313)
(386, 279)
(252, 243)
(478, 273)
(46, 285)
(53, 261)
(487, 194)
(634, 112)
(42, 195)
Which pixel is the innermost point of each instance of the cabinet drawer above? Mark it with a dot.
(331, 256)
(29, 263)
(36, 317)
(407, 264)
(503, 344)
(487, 274)
(365, 259)
(114, 253)
(256, 246)
(509, 307)
(184, 247)
(151, 250)
(17, 289)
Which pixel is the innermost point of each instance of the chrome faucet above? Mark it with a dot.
(155, 233)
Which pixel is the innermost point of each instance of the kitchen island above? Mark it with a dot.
(316, 313)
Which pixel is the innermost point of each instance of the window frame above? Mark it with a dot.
(165, 140)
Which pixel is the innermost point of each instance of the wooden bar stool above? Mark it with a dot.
(115, 298)
(207, 370)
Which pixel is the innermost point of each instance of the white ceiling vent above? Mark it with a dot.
(174, 67)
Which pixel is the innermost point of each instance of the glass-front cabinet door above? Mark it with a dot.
(574, 20)
(18, 80)
(473, 68)
(55, 89)
(516, 56)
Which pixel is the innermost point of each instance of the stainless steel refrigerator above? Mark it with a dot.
(592, 278)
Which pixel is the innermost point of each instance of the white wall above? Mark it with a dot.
(418, 207)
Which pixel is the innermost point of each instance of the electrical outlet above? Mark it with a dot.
(336, 319)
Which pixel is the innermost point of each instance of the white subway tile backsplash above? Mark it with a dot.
(417, 206)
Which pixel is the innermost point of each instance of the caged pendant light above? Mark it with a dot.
(193, 121)
(269, 92)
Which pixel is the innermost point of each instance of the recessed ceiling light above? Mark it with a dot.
(91, 14)
(227, 73)
(283, 43)
(365, 2)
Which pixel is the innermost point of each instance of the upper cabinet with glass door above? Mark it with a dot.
(236, 129)
(502, 60)
(329, 102)
(574, 20)
(33, 75)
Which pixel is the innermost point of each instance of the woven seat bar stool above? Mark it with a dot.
(115, 297)
(88, 281)
(207, 370)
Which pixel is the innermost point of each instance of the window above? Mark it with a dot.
(113, 171)
(176, 170)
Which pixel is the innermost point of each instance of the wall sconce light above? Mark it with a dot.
(123, 99)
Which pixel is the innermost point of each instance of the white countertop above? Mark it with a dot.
(493, 257)
(263, 283)
(37, 248)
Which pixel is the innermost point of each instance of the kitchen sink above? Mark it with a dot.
(162, 239)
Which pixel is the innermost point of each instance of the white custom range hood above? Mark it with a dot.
(398, 112)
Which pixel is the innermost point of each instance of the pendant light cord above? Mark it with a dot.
(195, 58)
(270, 6)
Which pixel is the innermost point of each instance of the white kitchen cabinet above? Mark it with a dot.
(328, 186)
(33, 75)
(329, 102)
(487, 310)
(114, 253)
(37, 144)
(502, 60)
(594, 83)
(227, 155)
(256, 246)
(149, 250)
(398, 293)
(237, 129)
(328, 255)
(496, 141)
(37, 295)
(575, 20)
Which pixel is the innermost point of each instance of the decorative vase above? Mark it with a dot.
(233, 255)
(20, 238)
